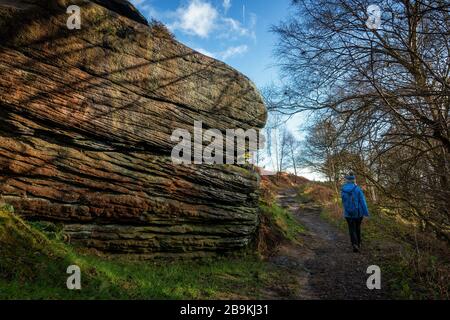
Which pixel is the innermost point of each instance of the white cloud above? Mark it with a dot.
(198, 18)
(201, 18)
(205, 52)
(233, 51)
(226, 54)
(235, 28)
(226, 5)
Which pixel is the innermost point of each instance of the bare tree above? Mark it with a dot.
(294, 152)
(385, 89)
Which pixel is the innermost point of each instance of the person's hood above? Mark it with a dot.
(348, 187)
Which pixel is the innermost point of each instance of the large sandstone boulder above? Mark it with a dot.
(85, 123)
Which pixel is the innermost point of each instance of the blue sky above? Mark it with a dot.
(234, 31)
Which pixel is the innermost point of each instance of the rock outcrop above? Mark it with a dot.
(85, 123)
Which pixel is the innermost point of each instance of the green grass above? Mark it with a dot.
(283, 220)
(33, 264)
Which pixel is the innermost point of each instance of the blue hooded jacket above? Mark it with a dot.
(359, 200)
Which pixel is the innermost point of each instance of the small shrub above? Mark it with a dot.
(160, 30)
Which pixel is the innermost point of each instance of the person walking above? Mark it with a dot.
(355, 209)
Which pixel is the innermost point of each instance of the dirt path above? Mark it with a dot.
(324, 264)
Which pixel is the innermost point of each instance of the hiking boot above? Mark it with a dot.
(355, 248)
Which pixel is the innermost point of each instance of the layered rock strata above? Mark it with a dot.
(85, 123)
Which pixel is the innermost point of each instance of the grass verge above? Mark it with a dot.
(282, 220)
(33, 264)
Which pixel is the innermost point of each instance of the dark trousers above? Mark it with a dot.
(354, 228)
